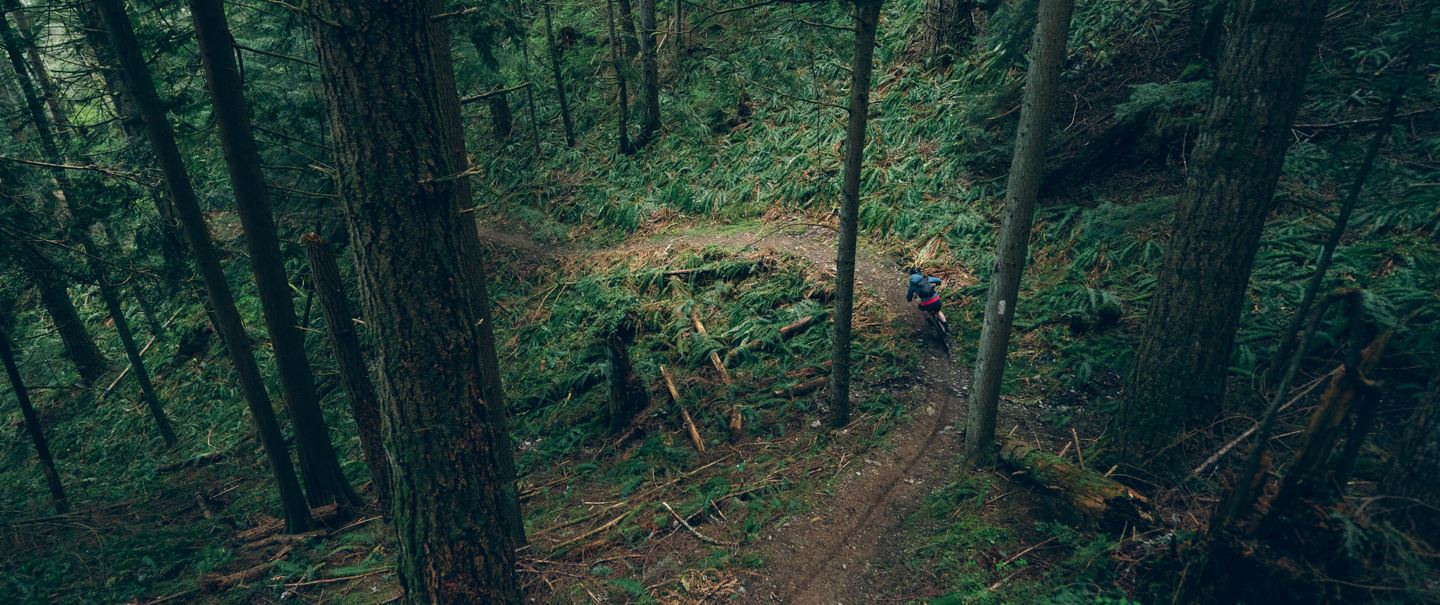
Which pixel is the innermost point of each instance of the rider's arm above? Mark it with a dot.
(910, 293)
(935, 280)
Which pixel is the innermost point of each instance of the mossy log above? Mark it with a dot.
(1093, 496)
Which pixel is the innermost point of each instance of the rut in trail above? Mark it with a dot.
(826, 557)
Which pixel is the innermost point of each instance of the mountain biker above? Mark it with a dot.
(923, 287)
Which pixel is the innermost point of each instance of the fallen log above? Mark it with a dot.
(684, 413)
(804, 388)
(795, 327)
(737, 428)
(1095, 497)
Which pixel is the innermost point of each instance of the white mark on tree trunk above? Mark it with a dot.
(1001, 311)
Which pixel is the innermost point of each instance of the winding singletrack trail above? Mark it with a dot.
(826, 557)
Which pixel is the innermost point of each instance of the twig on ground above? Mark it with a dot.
(703, 538)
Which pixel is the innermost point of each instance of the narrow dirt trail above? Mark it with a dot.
(826, 557)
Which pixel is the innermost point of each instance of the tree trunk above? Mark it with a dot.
(1027, 168)
(225, 315)
(137, 363)
(173, 254)
(482, 37)
(38, 70)
(325, 481)
(354, 375)
(649, 76)
(390, 90)
(867, 18)
(949, 28)
(627, 27)
(627, 394)
(1182, 363)
(32, 422)
(529, 83)
(622, 119)
(79, 345)
(559, 77)
(1088, 494)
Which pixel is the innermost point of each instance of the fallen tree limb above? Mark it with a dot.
(685, 414)
(737, 427)
(219, 582)
(1092, 495)
(804, 388)
(703, 538)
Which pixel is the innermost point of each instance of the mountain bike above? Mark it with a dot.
(939, 329)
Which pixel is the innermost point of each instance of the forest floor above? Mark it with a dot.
(852, 545)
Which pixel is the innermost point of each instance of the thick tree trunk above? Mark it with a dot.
(390, 90)
(354, 375)
(1027, 168)
(949, 29)
(555, 65)
(867, 18)
(32, 422)
(325, 481)
(649, 76)
(622, 118)
(79, 345)
(1182, 363)
(225, 315)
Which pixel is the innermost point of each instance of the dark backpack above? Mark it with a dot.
(925, 288)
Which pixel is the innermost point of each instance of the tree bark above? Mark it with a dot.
(1181, 365)
(627, 395)
(390, 90)
(555, 65)
(949, 28)
(627, 27)
(622, 119)
(649, 76)
(32, 422)
(137, 363)
(225, 315)
(324, 479)
(867, 17)
(354, 375)
(1027, 169)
